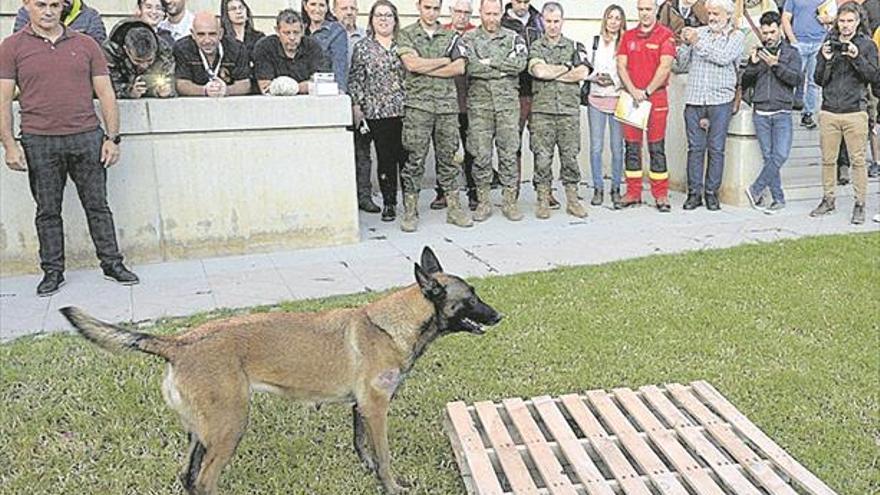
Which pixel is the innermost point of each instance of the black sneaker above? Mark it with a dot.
(598, 197)
(775, 207)
(712, 203)
(807, 121)
(120, 274)
(51, 283)
(858, 216)
(389, 213)
(757, 201)
(439, 202)
(874, 170)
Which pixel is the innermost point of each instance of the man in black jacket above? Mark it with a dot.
(845, 67)
(774, 72)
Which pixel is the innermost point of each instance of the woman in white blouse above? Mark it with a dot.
(604, 92)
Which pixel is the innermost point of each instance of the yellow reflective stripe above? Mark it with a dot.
(658, 175)
(75, 8)
(633, 174)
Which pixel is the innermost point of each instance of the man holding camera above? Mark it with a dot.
(846, 66)
(774, 70)
(496, 57)
(141, 65)
(433, 56)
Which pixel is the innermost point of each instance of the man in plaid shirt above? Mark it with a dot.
(710, 54)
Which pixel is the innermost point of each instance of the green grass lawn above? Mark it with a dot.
(788, 332)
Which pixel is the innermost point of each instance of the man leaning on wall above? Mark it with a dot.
(57, 70)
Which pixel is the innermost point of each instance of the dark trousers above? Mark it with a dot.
(50, 160)
(363, 165)
(389, 155)
(702, 140)
(468, 158)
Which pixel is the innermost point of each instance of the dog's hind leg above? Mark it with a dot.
(194, 463)
(361, 445)
(220, 434)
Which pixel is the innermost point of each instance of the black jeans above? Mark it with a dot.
(389, 155)
(50, 160)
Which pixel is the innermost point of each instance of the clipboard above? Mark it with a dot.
(629, 113)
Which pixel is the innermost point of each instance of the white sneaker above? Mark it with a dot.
(876, 218)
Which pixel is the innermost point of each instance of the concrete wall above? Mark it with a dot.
(201, 176)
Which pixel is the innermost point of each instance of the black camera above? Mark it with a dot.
(691, 22)
(772, 50)
(838, 46)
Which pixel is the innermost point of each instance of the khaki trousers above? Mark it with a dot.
(852, 127)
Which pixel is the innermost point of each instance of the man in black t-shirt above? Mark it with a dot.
(208, 64)
(288, 53)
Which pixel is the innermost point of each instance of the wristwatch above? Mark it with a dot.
(116, 139)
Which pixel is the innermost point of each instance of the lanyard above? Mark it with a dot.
(212, 73)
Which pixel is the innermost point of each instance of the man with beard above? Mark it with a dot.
(208, 64)
(846, 66)
(179, 21)
(712, 54)
(75, 15)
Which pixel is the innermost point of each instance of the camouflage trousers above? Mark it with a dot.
(548, 132)
(419, 127)
(502, 128)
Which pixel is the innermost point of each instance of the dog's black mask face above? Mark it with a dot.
(459, 309)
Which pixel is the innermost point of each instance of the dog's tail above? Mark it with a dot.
(116, 339)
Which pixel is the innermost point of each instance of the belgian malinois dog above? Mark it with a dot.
(358, 356)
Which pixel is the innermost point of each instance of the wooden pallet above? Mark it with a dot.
(674, 439)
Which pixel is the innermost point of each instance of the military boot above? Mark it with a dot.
(455, 214)
(484, 207)
(573, 205)
(543, 209)
(509, 207)
(409, 222)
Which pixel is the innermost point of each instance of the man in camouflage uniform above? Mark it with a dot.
(496, 56)
(141, 64)
(558, 65)
(433, 56)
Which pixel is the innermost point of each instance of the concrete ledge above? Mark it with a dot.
(202, 177)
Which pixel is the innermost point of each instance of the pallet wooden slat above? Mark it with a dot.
(508, 456)
(620, 468)
(545, 460)
(805, 479)
(637, 446)
(751, 462)
(671, 439)
(577, 456)
(478, 463)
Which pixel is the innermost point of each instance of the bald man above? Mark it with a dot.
(207, 64)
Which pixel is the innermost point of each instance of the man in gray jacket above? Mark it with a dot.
(774, 73)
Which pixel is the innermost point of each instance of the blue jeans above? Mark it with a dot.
(598, 121)
(808, 52)
(774, 136)
(699, 141)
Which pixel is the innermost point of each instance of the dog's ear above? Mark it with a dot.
(430, 261)
(431, 288)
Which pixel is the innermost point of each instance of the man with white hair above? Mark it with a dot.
(711, 53)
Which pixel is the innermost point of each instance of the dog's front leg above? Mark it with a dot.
(361, 446)
(375, 412)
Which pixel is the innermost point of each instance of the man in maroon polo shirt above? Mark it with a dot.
(57, 71)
